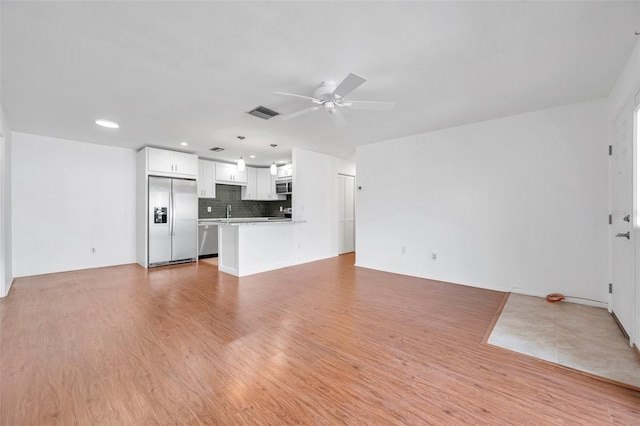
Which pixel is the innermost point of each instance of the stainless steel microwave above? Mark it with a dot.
(284, 186)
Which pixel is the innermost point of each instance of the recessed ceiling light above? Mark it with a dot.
(107, 123)
(252, 156)
(184, 143)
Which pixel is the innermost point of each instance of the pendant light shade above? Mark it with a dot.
(241, 164)
(273, 169)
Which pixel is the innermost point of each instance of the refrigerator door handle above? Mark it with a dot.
(172, 227)
(171, 212)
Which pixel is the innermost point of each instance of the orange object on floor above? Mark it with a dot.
(555, 297)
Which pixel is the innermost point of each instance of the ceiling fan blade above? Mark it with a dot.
(337, 117)
(372, 105)
(299, 113)
(315, 101)
(348, 85)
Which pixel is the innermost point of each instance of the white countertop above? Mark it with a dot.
(260, 222)
(243, 220)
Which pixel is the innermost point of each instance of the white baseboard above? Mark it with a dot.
(490, 287)
(7, 288)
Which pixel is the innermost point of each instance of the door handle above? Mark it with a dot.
(625, 235)
(172, 225)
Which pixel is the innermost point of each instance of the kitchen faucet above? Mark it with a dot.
(228, 211)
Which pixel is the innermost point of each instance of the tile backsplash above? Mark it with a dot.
(231, 195)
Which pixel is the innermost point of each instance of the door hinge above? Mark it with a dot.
(610, 288)
(610, 149)
(610, 219)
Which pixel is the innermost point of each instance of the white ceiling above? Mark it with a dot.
(188, 71)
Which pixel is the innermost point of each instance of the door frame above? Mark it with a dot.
(634, 337)
(631, 329)
(338, 231)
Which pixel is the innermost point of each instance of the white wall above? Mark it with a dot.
(70, 196)
(515, 204)
(315, 200)
(626, 86)
(6, 271)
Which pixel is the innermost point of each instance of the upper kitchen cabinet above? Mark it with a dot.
(263, 180)
(206, 179)
(171, 163)
(285, 171)
(260, 185)
(229, 174)
(250, 192)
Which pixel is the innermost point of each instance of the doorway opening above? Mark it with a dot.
(346, 213)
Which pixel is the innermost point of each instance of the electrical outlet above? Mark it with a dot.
(208, 209)
(403, 250)
(434, 256)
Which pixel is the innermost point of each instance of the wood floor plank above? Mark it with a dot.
(322, 343)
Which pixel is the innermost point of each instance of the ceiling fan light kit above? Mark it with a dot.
(330, 97)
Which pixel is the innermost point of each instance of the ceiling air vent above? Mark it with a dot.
(216, 149)
(263, 112)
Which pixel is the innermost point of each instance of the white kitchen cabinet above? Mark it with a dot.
(263, 189)
(171, 163)
(206, 179)
(260, 185)
(285, 171)
(250, 192)
(229, 174)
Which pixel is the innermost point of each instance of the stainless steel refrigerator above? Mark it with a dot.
(173, 220)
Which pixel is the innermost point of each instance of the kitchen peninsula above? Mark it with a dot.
(249, 247)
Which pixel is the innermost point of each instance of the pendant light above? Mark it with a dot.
(273, 169)
(241, 163)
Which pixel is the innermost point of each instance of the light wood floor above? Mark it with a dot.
(322, 343)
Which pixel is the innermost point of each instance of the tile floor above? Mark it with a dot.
(577, 336)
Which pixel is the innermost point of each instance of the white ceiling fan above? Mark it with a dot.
(331, 97)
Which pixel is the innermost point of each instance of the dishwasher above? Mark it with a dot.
(207, 240)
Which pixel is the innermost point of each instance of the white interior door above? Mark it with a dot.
(346, 214)
(622, 296)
